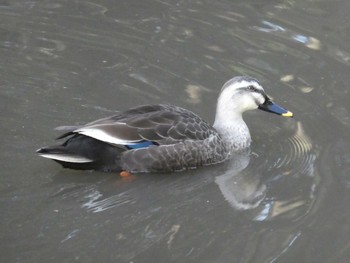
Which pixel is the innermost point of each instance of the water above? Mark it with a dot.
(70, 62)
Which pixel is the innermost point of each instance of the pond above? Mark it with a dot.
(71, 62)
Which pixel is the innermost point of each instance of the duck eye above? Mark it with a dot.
(252, 88)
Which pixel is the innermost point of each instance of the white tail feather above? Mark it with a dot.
(66, 158)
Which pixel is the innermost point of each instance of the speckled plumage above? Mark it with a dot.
(153, 138)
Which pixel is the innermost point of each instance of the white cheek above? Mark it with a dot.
(259, 98)
(248, 103)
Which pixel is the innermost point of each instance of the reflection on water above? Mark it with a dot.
(297, 163)
(95, 204)
(308, 41)
(70, 62)
(242, 190)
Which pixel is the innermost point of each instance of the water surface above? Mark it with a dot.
(70, 62)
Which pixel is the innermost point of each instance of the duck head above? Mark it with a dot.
(242, 93)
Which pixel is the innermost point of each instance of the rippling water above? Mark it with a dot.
(70, 62)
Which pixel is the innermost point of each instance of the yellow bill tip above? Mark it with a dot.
(287, 114)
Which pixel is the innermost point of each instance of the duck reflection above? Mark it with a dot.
(241, 189)
(246, 178)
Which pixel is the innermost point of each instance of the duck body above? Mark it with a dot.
(163, 138)
(147, 138)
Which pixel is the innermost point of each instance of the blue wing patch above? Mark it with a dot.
(142, 144)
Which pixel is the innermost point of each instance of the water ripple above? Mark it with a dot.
(97, 204)
(295, 173)
(299, 151)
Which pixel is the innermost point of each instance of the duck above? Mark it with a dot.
(164, 138)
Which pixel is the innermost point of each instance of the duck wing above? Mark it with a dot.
(159, 124)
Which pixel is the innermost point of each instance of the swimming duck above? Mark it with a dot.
(164, 138)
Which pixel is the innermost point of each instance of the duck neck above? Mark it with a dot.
(233, 130)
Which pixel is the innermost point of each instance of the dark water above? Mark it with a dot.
(70, 62)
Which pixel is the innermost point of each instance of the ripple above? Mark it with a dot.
(273, 28)
(291, 176)
(299, 149)
(97, 204)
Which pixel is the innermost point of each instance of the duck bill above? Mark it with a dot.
(272, 107)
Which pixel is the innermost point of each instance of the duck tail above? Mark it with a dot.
(81, 152)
